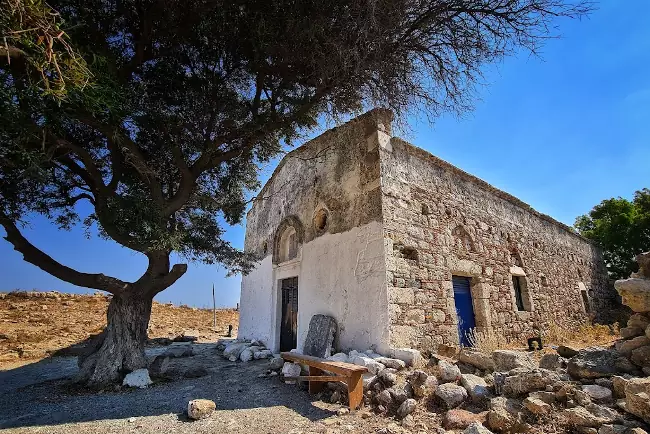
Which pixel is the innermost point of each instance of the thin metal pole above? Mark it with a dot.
(214, 310)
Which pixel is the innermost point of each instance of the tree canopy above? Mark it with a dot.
(622, 228)
(158, 112)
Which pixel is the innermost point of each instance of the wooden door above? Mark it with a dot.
(289, 324)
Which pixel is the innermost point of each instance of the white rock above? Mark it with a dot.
(372, 354)
(263, 354)
(373, 366)
(246, 355)
(339, 357)
(291, 370)
(391, 363)
(233, 351)
(138, 378)
(408, 355)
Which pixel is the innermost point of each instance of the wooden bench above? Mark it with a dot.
(345, 372)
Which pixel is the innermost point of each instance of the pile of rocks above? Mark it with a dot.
(635, 293)
(243, 349)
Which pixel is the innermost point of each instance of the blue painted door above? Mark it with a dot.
(464, 308)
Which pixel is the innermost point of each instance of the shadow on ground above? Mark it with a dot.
(42, 393)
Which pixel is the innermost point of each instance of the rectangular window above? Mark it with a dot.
(585, 300)
(516, 284)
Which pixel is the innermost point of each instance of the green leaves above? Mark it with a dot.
(622, 228)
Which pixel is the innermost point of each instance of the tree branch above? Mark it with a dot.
(46, 263)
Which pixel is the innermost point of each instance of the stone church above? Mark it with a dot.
(405, 250)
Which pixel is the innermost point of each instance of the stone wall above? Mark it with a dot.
(440, 221)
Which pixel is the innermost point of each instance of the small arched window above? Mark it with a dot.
(288, 245)
(288, 238)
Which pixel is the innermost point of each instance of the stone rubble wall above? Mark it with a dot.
(440, 221)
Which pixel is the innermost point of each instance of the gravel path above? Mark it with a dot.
(39, 398)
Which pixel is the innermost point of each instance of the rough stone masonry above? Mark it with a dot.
(377, 230)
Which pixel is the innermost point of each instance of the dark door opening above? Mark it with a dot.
(464, 309)
(289, 324)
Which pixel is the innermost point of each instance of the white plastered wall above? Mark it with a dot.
(341, 275)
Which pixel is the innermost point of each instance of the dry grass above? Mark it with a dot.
(582, 336)
(488, 341)
(33, 327)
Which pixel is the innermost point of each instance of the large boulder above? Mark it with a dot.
(593, 362)
(506, 360)
(447, 372)
(200, 408)
(551, 361)
(528, 381)
(504, 414)
(477, 359)
(637, 397)
(451, 395)
(581, 417)
(476, 387)
(635, 293)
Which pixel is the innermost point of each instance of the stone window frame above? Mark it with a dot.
(526, 296)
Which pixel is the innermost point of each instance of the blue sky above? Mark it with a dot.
(561, 133)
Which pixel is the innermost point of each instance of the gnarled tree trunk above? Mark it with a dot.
(119, 349)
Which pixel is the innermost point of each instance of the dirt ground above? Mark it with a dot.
(34, 325)
(39, 398)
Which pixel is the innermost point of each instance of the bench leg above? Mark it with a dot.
(315, 386)
(355, 390)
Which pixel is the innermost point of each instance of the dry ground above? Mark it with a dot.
(34, 325)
